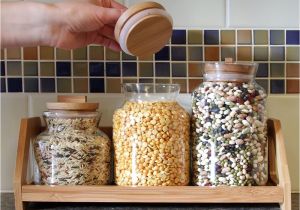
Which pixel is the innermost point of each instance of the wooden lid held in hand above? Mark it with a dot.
(72, 103)
(144, 29)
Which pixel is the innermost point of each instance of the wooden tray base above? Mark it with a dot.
(278, 191)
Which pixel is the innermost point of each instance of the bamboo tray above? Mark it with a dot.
(278, 189)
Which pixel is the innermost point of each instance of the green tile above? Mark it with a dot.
(292, 53)
(146, 69)
(146, 58)
(261, 37)
(64, 85)
(14, 68)
(2, 54)
(277, 69)
(264, 83)
(195, 69)
(228, 37)
(260, 53)
(277, 54)
(80, 54)
(113, 85)
(128, 57)
(227, 52)
(31, 69)
(195, 53)
(47, 69)
(244, 37)
(112, 55)
(194, 36)
(63, 54)
(129, 80)
(179, 70)
(80, 69)
(13, 53)
(96, 52)
(46, 53)
(80, 85)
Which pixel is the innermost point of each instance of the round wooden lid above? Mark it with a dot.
(144, 29)
(231, 67)
(72, 103)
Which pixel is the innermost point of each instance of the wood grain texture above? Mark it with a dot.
(182, 194)
(132, 11)
(72, 106)
(71, 99)
(29, 128)
(149, 35)
(282, 165)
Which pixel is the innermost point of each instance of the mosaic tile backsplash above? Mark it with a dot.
(94, 69)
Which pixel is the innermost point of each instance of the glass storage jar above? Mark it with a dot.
(72, 150)
(151, 137)
(229, 127)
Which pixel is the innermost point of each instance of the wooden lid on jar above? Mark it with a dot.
(72, 103)
(144, 29)
(231, 67)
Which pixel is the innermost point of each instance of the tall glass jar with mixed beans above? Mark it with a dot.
(229, 127)
(72, 150)
(151, 137)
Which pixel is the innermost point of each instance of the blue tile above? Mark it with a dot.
(163, 54)
(292, 37)
(263, 70)
(96, 69)
(31, 85)
(211, 37)
(113, 69)
(178, 53)
(2, 68)
(178, 37)
(47, 85)
(162, 69)
(179, 70)
(277, 37)
(14, 85)
(63, 69)
(129, 69)
(277, 86)
(96, 85)
(3, 85)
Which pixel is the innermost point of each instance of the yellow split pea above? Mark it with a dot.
(151, 143)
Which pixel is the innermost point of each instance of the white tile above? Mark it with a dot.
(264, 13)
(13, 109)
(286, 109)
(193, 13)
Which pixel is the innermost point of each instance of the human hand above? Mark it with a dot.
(83, 22)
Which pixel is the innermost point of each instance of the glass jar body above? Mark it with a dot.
(151, 142)
(229, 134)
(72, 150)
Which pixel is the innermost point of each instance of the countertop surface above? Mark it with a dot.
(7, 203)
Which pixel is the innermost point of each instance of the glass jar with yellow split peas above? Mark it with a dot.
(151, 137)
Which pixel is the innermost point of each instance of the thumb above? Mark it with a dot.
(108, 15)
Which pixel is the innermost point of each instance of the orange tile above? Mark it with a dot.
(293, 70)
(292, 86)
(2, 54)
(182, 83)
(244, 53)
(244, 37)
(30, 53)
(211, 53)
(193, 84)
(13, 53)
(195, 69)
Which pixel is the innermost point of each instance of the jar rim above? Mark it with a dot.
(150, 88)
(237, 67)
(71, 114)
